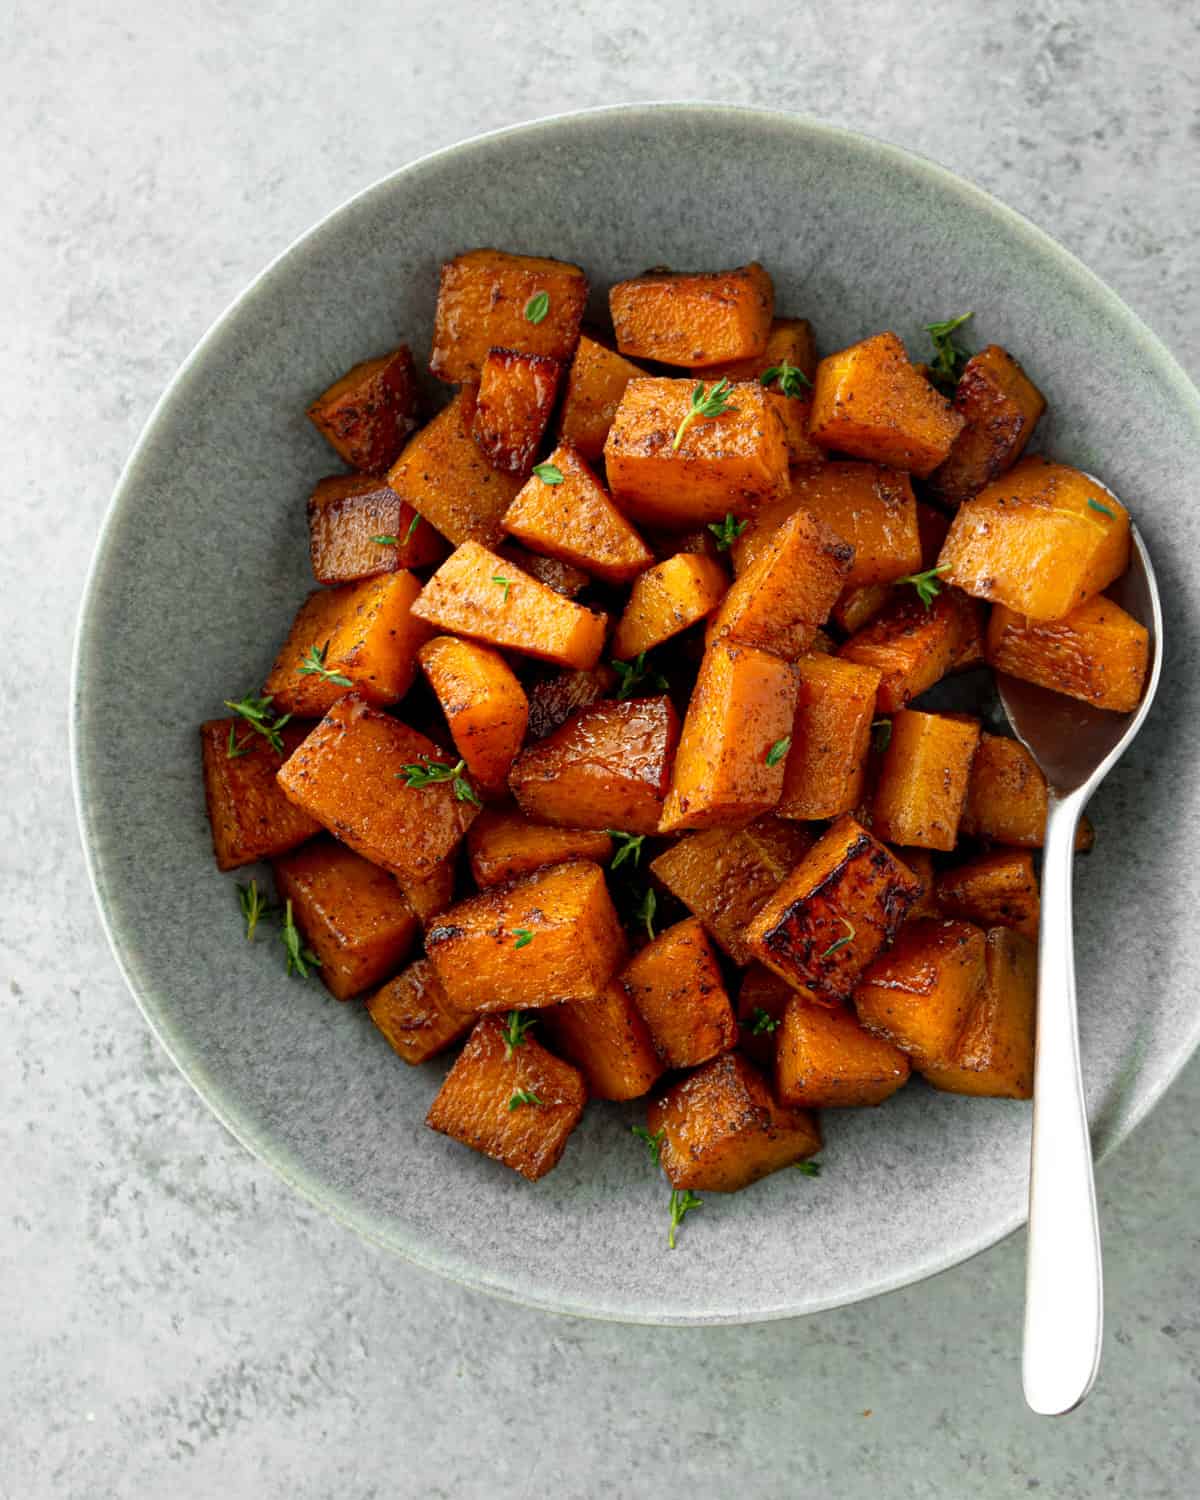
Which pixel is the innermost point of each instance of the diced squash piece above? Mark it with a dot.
(725, 875)
(871, 508)
(432, 893)
(608, 767)
(993, 890)
(783, 598)
(553, 700)
(824, 1059)
(911, 644)
(920, 862)
(517, 1104)
(504, 846)
(475, 593)
(444, 475)
(485, 706)
(513, 406)
(1042, 540)
(366, 639)
(724, 463)
(568, 514)
(1007, 798)
(350, 775)
(1000, 406)
(790, 339)
(675, 982)
(860, 604)
(414, 1015)
(596, 382)
(762, 1000)
(489, 299)
(971, 647)
(251, 819)
(608, 1042)
(822, 645)
(995, 1051)
(922, 785)
(870, 402)
(918, 995)
(826, 763)
(370, 411)
(696, 319)
(562, 577)
(1098, 653)
(349, 514)
(570, 941)
(352, 914)
(729, 767)
(830, 917)
(723, 1129)
(666, 599)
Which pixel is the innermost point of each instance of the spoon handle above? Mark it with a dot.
(1063, 1288)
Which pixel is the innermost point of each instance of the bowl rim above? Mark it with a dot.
(1159, 360)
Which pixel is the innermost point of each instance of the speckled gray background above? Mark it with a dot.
(174, 1322)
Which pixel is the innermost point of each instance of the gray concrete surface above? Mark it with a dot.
(172, 1321)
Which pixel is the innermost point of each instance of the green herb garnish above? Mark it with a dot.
(522, 1096)
(548, 473)
(523, 937)
(653, 1142)
(705, 403)
(809, 1168)
(254, 906)
(645, 912)
(312, 664)
(412, 529)
(299, 958)
(1103, 509)
(386, 541)
(841, 942)
(948, 358)
(629, 847)
(537, 307)
(761, 1022)
(256, 712)
(927, 584)
(682, 1203)
(881, 734)
(515, 1027)
(420, 774)
(778, 750)
(789, 377)
(727, 531)
(633, 673)
(505, 584)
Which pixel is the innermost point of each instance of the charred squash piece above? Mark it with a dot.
(994, 1052)
(1000, 406)
(826, 763)
(504, 846)
(414, 1015)
(922, 786)
(512, 409)
(358, 527)
(666, 600)
(919, 994)
(367, 414)
(251, 818)
(596, 382)
(696, 319)
(562, 577)
(920, 862)
(553, 700)
(675, 983)
(1098, 653)
(608, 1042)
(1007, 798)
(911, 644)
(824, 1059)
(993, 890)
(485, 706)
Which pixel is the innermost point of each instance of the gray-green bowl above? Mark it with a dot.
(203, 559)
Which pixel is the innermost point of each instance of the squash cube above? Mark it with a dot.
(608, 767)
(596, 382)
(870, 402)
(1042, 540)
(675, 982)
(920, 862)
(995, 1051)
(553, 936)
(833, 913)
(414, 1015)
(513, 406)
(353, 915)
(728, 462)
(1000, 406)
(790, 339)
(1098, 653)
(485, 706)
(370, 411)
(484, 302)
(911, 644)
(573, 519)
(485, 1101)
(723, 1129)
(553, 700)
(762, 1000)
(250, 817)
(562, 577)
(666, 600)
(432, 893)
(919, 994)
(825, 1060)
(503, 846)
(347, 516)
(694, 319)
(476, 593)
(826, 763)
(1007, 798)
(351, 775)
(608, 1042)
(993, 890)
(922, 786)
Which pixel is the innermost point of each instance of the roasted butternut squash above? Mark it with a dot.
(1007, 798)
(762, 1000)
(824, 1059)
(506, 845)
(484, 703)
(608, 1042)
(1000, 407)
(666, 599)
(414, 1015)
(513, 406)
(920, 862)
(432, 893)
(675, 983)
(922, 786)
(1098, 653)
(250, 817)
(994, 1052)
(912, 645)
(358, 527)
(918, 995)
(562, 577)
(790, 340)
(367, 414)
(993, 890)
(831, 734)
(553, 700)
(695, 319)
(596, 382)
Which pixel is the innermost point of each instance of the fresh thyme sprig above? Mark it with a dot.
(522, 1096)
(515, 1026)
(634, 673)
(523, 937)
(791, 380)
(1104, 510)
(847, 937)
(928, 585)
(312, 664)
(412, 529)
(386, 541)
(682, 1203)
(727, 531)
(256, 712)
(645, 912)
(778, 750)
(629, 847)
(537, 307)
(881, 734)
(808, 1168)
(300, 959)
(505, 584)
(420, 774)
(761, 1022)
(254, 905)
(948, 358)
(705, 403)
(653, 1142)
(548, 473)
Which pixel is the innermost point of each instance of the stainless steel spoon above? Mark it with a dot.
(1076, 746)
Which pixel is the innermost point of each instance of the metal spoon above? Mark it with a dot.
(1076, 746)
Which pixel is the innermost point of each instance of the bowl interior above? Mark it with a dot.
(204, 559)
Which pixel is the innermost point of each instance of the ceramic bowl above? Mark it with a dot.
(203, 559)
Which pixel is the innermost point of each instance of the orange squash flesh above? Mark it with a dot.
(503, 846)
(994, 1053)
(919, 994)
(675, 983)
(412, 1012)
(860, 604)
(1098, 653)
(911, 645)
(553, 700)
(825, 1059)
(608, 1042)
(596, 382)
(512, 408)
(826, 763)
(367, 414)
(475, 1105)
(666, 600)
(790, 339)
(484, 703)
(680, 318)
(922, 785)
(572, 518)
(1000, 406)
(1007, 798)
(762, 1000)
(476, 593)
(352, 914)
(432, 893)
(347, 513)
(723, 1130)
(993, 890)
(250, 817)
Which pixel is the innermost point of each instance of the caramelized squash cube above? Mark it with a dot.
(347, 516)
(504, 846)
(432, 893)
(367, 414)
(553, 700)
(1007, 798)
(922, 786)
(481, 1102)
(353, 915)
(475, 593)
(414, 1015)
(790, 339)
(484, 303)
(572, 518)
(995, 1051)
(993, 890)
(870, 402)
(1042, 540)
(723, 1129)
(918, 995)
(350, 774)
(912, 645)
(596, 382)
(837, 909)
(553, 936)
(920, 862)
(485, 706)
(675, 982)
(250, 817)
(762, 1000)
(726, 463)
(666, 600)
(825, 1060)
(563, 577)
(1098, 653)
(608, 1042)
(695, 319)
(1000, 406)
(826, 763)
(443, 475)
(608, 767)
(513, 406)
